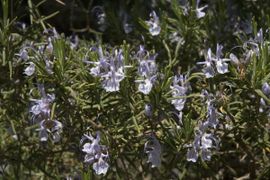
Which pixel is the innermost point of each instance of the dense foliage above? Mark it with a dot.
(163, 89)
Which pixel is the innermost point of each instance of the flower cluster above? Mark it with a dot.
(44, 50)
(42, 113)
(147, 70)
(217, 60)
(110, 68)
(204, 141)
(185, 5)
(23, 55)
(96, 154)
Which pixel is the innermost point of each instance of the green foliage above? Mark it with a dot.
(83, 106)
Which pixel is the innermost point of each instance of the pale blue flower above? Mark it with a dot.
(30, 70)
(208, 141)
(180, 102)
(259, 37)
(263, 105)
(222, 67)
(192, 155)
(93, 147)
(48, 66)
(52, 127)
(110, 68)
(153, 24)
(208, 69)
(96, 154)
(211, 114)
(145, 86)
(153, 149)
(49, 46)
(204, 141)
(206, 154)
(43, 134)
(102, 66)
(199, 11)
(148, 110)
(234, 59)
(23, 54)
(101, 166)
(111, 82)
(176, 38)
(74, 41)
(42, 105)
(266, 89)
(147, 70)
(184, 4)
(115, 74)
(179, 88)
(220, 63)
